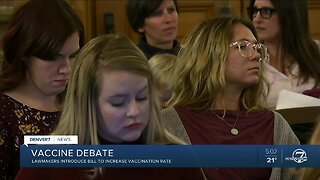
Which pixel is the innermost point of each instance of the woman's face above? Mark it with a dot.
(162, 26)
(269, 30)
(242, 72)
(51, 77)
(124, 107)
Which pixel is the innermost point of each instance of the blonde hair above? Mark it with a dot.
(162, 66)
(312, 173)
(101, 54)
(199, 75)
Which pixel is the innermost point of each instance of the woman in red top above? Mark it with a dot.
(219, 91)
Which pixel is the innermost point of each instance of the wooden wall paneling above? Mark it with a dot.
(314, 16)
(7, 8)
(191, 13)
(243, 8)
(236, 7)
(5, 13)
(86, 12)
(118, 8)
(314, 3)
(84, 9)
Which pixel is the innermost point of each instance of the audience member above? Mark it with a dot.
(39, 45)
(157, 23)
(294, 62)
(110, 100)
(219, 91)
(162, 66)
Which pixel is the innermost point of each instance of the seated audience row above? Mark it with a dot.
(216, 88)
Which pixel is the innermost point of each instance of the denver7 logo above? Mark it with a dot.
(299, 156)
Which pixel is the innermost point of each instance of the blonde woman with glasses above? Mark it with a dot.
(219, 90)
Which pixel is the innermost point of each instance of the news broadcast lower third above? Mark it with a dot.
(64, 151)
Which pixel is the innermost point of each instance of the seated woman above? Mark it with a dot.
(110, 100)
(39, 45)
(219, 92)
(294, 61)
(156, 21)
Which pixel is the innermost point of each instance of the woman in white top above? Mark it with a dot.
(294, 62)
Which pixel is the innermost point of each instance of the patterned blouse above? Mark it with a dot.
(17, 120)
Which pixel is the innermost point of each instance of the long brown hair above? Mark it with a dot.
(38, 28)
(295, 38)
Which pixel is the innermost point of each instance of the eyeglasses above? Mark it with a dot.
(265, 12)
(246, 49)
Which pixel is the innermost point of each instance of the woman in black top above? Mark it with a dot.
(157, 23)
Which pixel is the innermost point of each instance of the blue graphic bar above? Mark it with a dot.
(170, 156)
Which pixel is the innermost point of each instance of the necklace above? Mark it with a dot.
(234, 131)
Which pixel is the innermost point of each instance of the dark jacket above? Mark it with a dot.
(150, 51)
